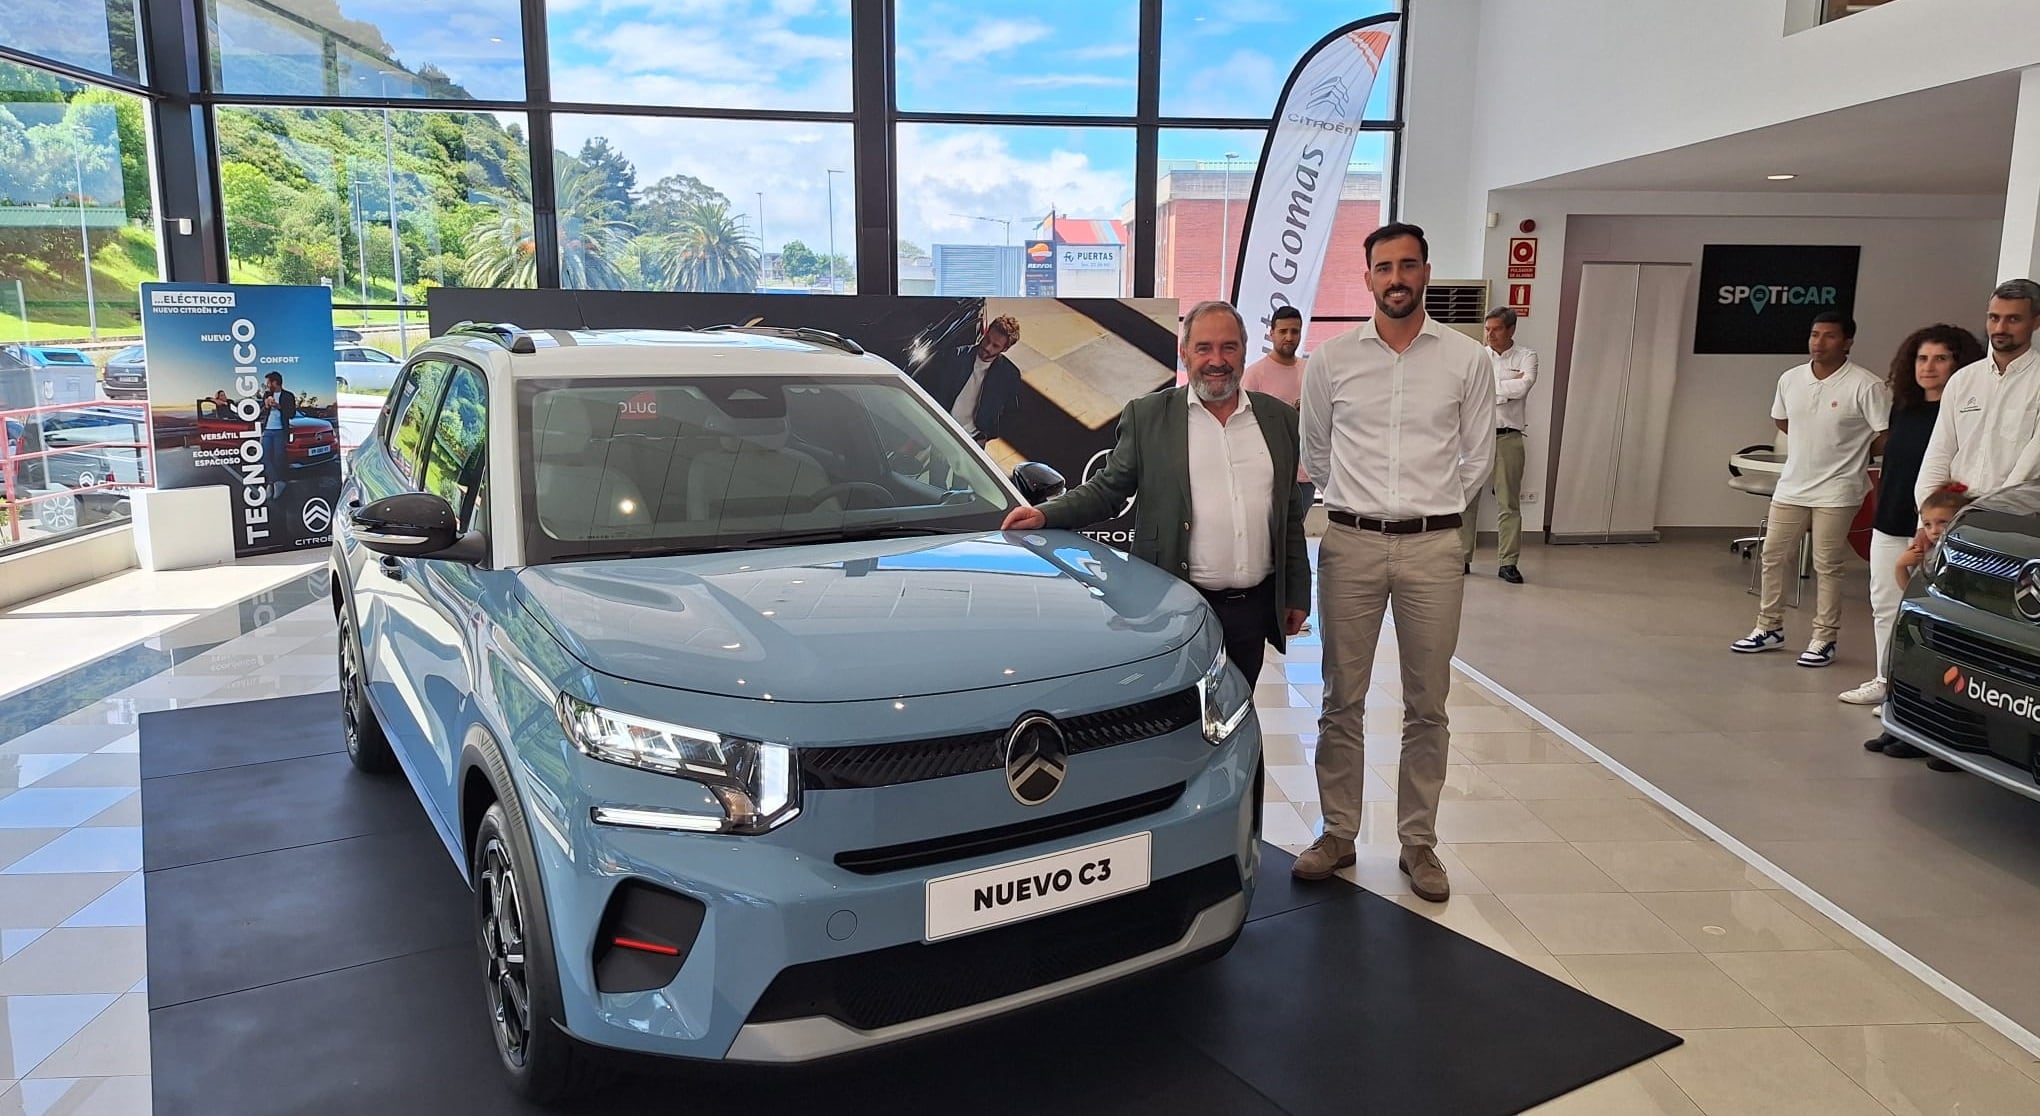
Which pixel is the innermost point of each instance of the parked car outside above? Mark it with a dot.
(126, 375)
(364, 368)
(757, 744)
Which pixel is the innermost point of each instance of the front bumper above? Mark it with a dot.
(1965, 687)
(799, 958)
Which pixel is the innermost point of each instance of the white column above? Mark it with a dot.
(2019, 256)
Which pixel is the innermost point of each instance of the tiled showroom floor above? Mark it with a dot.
(1555, 860)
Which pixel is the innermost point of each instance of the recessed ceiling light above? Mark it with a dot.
(1781, 177)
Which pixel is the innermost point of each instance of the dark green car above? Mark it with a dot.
(1965, 656)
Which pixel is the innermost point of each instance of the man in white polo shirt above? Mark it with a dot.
(1833, 412)
(1988, 433)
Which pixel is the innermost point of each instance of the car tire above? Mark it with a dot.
(368, 748)
(520, 983)
(57, 514)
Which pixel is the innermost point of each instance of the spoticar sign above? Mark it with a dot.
(241, 394)
(1762, 298)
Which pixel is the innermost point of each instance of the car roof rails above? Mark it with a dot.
(797, 333)
(514, 338)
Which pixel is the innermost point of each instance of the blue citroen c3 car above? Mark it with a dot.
(754, 736)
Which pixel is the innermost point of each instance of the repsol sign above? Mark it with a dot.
(1762, 298)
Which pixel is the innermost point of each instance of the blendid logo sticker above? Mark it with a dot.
(1983, 691)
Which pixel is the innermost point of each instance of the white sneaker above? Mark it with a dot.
(1819, 653)
(1759, 640)
(1869, 693)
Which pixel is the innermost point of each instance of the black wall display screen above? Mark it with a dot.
(1762, 298)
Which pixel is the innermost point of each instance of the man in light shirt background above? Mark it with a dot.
(1833, 413)
(1280, 374)
(1515, 373)
(1988, 432)
(1398, 432)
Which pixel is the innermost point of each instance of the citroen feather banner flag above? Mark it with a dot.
(1303, 170)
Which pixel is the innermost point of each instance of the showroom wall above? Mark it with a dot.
(1925, 259)
(1654, 76)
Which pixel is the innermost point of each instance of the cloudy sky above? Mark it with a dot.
(1221, 58)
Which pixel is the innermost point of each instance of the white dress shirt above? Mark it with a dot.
(1833, 422)
(965, 408)
(1232, 484)
(1515, 374)
(1396, 436)
(1984, 437)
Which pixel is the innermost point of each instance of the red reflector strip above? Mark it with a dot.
(648, 947)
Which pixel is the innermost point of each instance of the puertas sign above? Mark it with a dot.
(241, 393)
(1762, 298)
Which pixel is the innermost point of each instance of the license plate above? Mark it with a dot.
(971, 901)
(317, 450)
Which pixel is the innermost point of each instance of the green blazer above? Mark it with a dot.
(1151, 466)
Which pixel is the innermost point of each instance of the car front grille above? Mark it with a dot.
(1985, 562)
(1983, 653)
(984, 842)
(1939, 720)
(886, 765)
(901, 983)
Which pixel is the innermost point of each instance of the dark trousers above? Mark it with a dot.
(1247, 616)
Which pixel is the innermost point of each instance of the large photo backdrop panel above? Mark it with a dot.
(241, 393)
(1060, 387)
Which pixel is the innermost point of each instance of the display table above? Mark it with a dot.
(1757, 471)
(183, 528)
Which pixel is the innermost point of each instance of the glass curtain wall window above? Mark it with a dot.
(653, 204)
(102, 36)
(377, 204)
(77, 240)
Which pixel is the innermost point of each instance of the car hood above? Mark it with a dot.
(867, 620)
(2005, 521)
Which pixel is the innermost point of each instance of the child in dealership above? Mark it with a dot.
(1937, 511)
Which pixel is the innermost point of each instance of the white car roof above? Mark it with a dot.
(653, 352)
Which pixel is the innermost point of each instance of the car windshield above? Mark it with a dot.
(635, 466)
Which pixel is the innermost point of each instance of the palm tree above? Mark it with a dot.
(716, 251)
(646, 262)
(592, 237)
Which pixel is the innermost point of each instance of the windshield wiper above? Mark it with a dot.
(643, 552)
(846, 534)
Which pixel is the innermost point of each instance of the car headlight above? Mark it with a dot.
(755, 782)
(1225, 699)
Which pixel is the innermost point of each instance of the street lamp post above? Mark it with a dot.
(1225, 221)
(833, 289)
(84, 240)
(396, 241)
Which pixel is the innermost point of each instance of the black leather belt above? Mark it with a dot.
(1508, 430)
(1395, 527)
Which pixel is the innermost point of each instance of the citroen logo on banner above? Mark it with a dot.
(1037, 759)
(1330, 95)
(2026, 593)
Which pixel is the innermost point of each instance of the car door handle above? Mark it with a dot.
(391, 567)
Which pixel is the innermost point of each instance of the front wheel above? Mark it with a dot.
(367, 747)
(520, 985)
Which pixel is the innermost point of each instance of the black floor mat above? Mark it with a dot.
(310, 952)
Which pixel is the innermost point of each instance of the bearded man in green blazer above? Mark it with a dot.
(1212, 473)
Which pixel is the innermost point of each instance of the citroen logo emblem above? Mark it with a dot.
(1037, 759)
(2026, 593)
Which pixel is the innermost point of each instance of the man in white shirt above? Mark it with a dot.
(1234, 528)
(1988, 433)
(1515, 373)
(1834, 413)
(1398, 433)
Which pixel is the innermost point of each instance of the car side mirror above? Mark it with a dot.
(412, 525)
(1037, 482)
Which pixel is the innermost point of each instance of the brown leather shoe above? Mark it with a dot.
(1325, 856)
(1427, 876)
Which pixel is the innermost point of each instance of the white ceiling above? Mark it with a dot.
(1953, 139)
